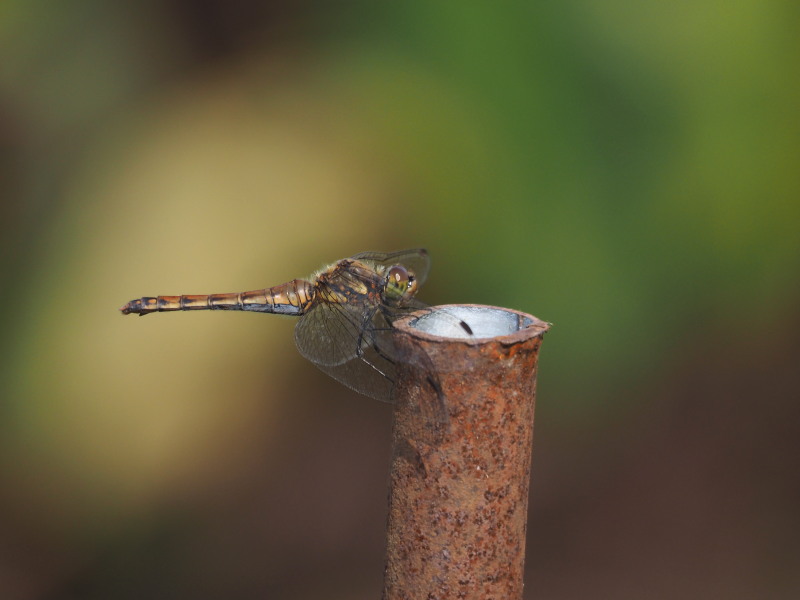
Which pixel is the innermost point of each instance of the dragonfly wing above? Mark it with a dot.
(331, 333)
(343, 343)
(417, 260)
(388, 343)
(370, 373)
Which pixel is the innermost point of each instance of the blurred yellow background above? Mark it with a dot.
(624, 170)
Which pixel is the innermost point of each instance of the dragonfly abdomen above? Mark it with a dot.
(291, 298)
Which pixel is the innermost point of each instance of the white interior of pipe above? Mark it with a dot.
(482, 321)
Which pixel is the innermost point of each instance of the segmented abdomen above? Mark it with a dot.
(291, 298)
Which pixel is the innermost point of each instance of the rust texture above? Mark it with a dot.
(458, 499)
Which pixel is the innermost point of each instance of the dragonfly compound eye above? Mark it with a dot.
(397, 282)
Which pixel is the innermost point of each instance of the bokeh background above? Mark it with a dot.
(627, 171)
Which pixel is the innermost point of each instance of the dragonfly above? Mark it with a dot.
(346, 314)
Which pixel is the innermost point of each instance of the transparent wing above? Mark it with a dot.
(331, 332)
(366, 355)
(371, 371)
(417, 260)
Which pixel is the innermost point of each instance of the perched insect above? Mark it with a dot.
(346, 313)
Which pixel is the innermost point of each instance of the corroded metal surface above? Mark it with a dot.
(458, 502)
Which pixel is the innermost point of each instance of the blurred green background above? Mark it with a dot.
(627, 171)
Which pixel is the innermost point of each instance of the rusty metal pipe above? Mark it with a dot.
(461, 454)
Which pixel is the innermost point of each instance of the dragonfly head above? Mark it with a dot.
(400, 284)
